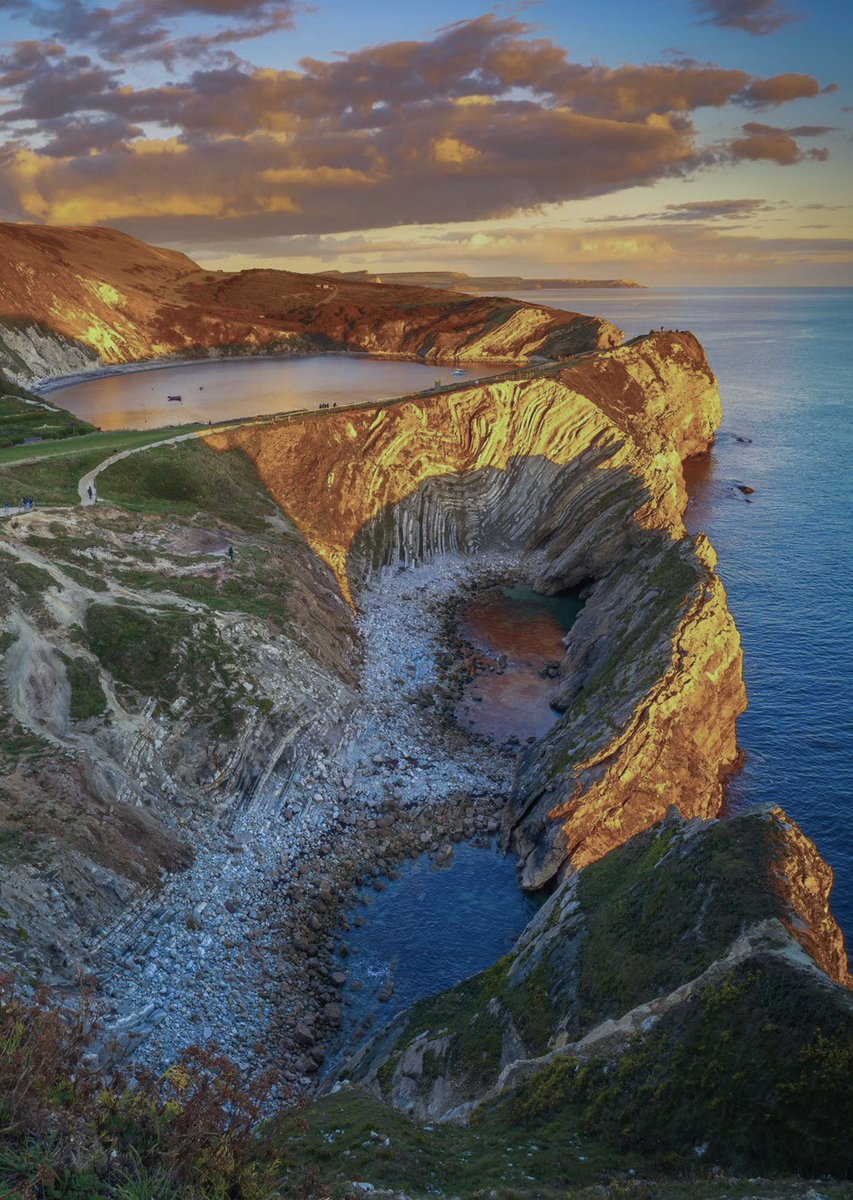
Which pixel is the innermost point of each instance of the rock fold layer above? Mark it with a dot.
(579, 467)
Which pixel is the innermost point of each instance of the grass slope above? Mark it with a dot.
(188, 478)
(50, 472)
(24, 417)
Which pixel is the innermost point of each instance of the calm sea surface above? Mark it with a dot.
(432, 927)
(221, 389)
(784, 359)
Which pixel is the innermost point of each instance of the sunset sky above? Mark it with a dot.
(683, 142)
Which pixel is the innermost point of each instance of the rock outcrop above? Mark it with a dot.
(580, 468)
(660, 943)
(72, 299)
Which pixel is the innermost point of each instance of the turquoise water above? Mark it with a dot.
(526, 605)
(430, 928)
(784, 359)
(222, 389)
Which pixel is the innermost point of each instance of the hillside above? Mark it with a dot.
(74, 298)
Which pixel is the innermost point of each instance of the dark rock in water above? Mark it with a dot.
(333, 1013)
(746, 489)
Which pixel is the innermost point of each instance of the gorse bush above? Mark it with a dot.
(69, 1131)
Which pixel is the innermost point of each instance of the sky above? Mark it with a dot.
(683, 142)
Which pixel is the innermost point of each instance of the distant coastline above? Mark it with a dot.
(458, 281)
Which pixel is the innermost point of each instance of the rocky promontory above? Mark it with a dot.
(694, 934)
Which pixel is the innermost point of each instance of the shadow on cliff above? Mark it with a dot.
(651, 683)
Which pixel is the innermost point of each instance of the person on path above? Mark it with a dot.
(90, 491)
(231, 553)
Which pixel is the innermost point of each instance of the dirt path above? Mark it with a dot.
(86, 488)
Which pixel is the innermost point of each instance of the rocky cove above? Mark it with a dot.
(237, 691)
(380, 769)
(240, 949)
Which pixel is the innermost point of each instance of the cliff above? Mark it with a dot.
(338, 475)
(147, 692)
(580, 468)
(75, 298)
(693, 952)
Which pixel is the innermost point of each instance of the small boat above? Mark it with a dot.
(459, 371)
(174, 399)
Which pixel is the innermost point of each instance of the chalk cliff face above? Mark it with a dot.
(580, 468)
(681, 938)
(71, 299)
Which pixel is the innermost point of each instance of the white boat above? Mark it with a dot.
(459, 371)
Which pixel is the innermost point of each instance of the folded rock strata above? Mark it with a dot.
(579, 467)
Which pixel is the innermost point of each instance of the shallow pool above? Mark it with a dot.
(514, 634)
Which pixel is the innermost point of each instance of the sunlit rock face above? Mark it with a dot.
(652, 687)
(74, 298)
(581, 470)
(804, 881)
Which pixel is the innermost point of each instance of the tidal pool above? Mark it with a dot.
(430, 928)
(224, 389)
(513, 634)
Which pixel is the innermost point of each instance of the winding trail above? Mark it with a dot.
(88, 480)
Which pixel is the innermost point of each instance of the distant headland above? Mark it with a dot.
(458, 281)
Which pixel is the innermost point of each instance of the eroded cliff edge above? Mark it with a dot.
(578, 467)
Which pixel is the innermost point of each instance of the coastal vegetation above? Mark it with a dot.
(26, 418)
(188, 479)
(51, 471)
(198, 1132)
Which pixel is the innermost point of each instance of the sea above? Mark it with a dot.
(784, 361)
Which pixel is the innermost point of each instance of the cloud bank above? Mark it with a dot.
(481, 121)
(759, 17)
